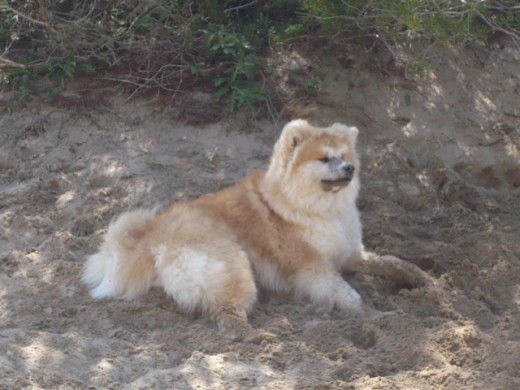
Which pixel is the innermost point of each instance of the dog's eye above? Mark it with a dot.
(325, 159)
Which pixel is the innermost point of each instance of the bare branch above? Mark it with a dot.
(26, 17)
(5, 63)
(240, 6)
(514, 37)
(23, 16)
(44, 13)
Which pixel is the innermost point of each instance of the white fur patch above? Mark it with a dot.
(269, 277)
(160, 255)
(101, 274)
(193, 278)
(339, 238)
(326, 290)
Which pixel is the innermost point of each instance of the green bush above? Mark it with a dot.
(401, 25)
(161, 44)
(238, 67)
(449, 21)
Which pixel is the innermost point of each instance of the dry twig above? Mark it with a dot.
(6, 63)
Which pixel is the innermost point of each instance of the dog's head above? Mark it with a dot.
(311, 164)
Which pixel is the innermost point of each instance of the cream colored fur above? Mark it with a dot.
(293, 228)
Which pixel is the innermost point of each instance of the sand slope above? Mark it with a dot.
(440, 188)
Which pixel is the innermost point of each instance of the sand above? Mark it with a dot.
(440, 188)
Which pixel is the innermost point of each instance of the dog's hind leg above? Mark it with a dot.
(215, 278)
(231, 320)
(403, 273)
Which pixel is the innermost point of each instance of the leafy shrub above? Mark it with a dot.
(238, 67)
(399, 25)
(162, 44)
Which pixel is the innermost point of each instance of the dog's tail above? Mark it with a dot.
(124, 266)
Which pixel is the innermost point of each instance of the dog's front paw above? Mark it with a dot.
(347, 299)
(340, 297)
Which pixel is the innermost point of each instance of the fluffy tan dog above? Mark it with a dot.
(292, 228)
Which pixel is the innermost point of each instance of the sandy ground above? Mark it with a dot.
(441, 188)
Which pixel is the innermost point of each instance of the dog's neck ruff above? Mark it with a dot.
(303, 211)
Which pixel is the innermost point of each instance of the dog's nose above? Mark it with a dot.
(348, 168)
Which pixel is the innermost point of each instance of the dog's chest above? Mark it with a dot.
(336, 239)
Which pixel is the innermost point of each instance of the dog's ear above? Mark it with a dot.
(349, 132)
(293, 135)
(295, 130)
(296, 141)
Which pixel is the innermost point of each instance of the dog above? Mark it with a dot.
(293, 228)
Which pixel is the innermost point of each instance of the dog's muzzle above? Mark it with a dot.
(346, 174)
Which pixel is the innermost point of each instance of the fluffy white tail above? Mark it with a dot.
(123, 267)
